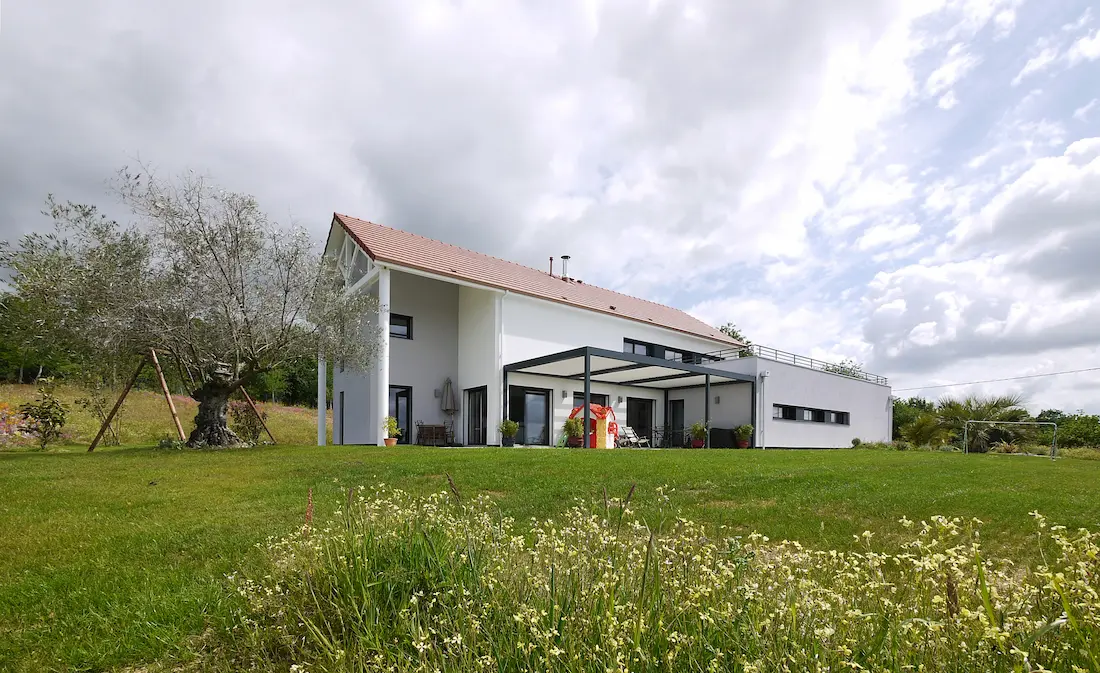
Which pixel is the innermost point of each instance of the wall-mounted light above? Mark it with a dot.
(717, 399)
(437, 392)
(564, 394)
(620, 399)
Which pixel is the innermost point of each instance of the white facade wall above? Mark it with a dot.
(479, 357)
(426, 360)
(356, 424)
(534, 327)
(868, 404)
(423, 362)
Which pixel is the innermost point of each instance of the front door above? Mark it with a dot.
(477, 403)
(676, 423)
(401, 409)
(639, 415)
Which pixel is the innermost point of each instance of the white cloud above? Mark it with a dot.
(956, 65)
(887, 233)
(1085, 49)
(1082, 113)
(1043, 60)
(948, 101)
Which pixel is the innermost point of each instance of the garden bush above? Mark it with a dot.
(245, 422)
(45, 417)
(399, 583)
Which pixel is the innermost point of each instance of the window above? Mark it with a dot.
(597, 398)
(785, 412)
(401, 326)
(673, 354)
(637, 347)
(788, 413)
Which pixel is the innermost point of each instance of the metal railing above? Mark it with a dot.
(777, 355)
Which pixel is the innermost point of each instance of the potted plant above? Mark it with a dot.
(698, 435)
(508, 429)
(574, 431)
(743, 433)
(389, 426)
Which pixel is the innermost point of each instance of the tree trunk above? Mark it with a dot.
(211, 428)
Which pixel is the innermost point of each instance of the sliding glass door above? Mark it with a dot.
(530, 407)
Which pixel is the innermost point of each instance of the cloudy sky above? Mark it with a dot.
(914, 184)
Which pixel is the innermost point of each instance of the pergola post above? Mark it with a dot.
(587, 396)
(706, 410)
(504, 404)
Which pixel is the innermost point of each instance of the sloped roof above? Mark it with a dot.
(394, 246)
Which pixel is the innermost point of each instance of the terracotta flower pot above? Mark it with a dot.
(575, 441)
(391, 441)
(508, 441)
(742, 443)
(697, 443)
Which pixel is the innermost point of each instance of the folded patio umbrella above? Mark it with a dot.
(448, 402)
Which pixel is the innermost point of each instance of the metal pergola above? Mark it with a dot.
(600, 365)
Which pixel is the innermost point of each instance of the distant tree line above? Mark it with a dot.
(923, 422)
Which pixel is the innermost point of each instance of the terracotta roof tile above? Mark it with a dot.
(385, 244)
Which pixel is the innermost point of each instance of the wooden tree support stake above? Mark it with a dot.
(256, 411)
(114, 410)
(167, 394)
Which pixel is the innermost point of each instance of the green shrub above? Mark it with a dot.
(698, 431)
(44, 418)
(245, 422)
(171, 444)
(508, 428)
(856, 441)
(399, 583)
(1005, 447)
(574, 427)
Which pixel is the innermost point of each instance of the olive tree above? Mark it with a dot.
(203, 276)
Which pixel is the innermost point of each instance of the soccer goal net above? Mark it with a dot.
(1053, 441)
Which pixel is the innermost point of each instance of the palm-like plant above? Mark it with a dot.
(926, 430)
(953, 414)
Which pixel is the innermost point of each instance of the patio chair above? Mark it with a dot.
(627, 437)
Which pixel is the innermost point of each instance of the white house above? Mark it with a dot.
(520, 343)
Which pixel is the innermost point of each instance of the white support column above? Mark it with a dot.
(322, 389)
(382, 393)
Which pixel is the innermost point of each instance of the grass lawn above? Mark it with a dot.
(118, 557)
